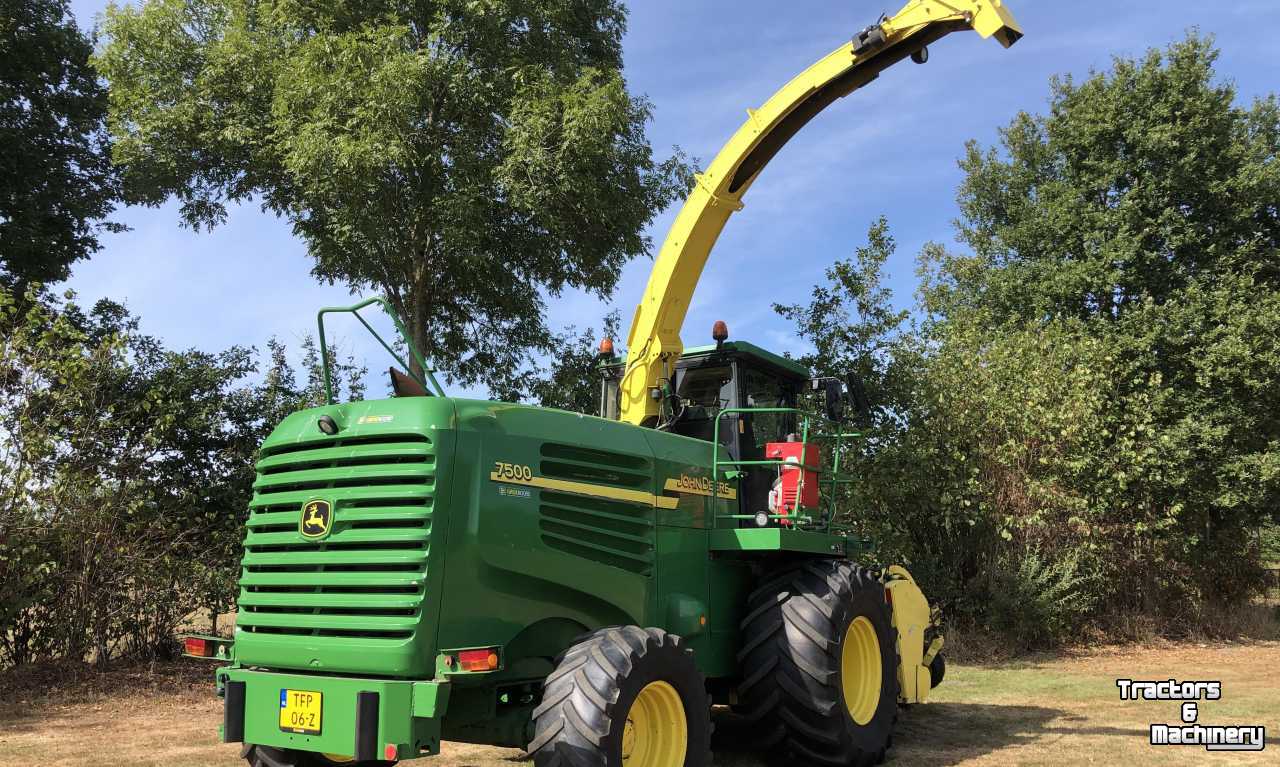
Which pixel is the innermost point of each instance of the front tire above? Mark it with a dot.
(819, 665)
(623, 697)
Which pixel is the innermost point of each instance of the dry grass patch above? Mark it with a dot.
(1032, 711)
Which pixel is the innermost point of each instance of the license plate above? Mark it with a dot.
(300, 711)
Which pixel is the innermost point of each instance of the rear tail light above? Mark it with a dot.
(479, 660)
(198, 647)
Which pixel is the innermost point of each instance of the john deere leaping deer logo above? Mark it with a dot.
(317, 518)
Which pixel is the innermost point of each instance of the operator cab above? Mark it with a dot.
(739, 374)
(715, 378)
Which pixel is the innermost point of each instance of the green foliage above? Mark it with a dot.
(58, 183)
(125, 475)
(571, 380)
(1036, 600)
(1144, 203)
(466, 159)
(1082, 432)
(1269, 543)
(850, 323)
(1138, 184)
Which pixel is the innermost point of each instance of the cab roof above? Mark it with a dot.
(746, 349)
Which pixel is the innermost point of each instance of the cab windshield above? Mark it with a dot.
(705, 391)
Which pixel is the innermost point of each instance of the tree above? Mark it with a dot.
(571, 380)
(1135, 224)
(850, 322)
(1138, 183)
(57, 183)
(464, 158)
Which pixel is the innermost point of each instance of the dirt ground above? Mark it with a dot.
(1041, 711)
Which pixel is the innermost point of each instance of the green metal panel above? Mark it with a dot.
(683, 471)
(683, 593)
(397, 701)
(762, 539)
(528, 565)
(430, 699)
(730, 580)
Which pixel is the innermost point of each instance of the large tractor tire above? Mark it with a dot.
(265, 756)
(624, 697)
(819, 665)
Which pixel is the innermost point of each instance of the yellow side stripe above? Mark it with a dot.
(590, 490)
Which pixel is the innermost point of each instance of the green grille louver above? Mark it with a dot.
(365, 581)
(615, 533)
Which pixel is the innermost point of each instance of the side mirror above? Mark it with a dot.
(830, 388)
(857, 394)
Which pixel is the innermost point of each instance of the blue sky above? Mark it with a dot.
(888, 149)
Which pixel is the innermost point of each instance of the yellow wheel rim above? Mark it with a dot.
(656, 733)
(861, 670)
(339, 758)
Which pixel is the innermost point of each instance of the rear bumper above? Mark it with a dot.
(360, 717)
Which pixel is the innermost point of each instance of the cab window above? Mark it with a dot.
(760, 389)
(704, 391)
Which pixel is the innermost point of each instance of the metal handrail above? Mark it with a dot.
(354, 309)
(833, 478)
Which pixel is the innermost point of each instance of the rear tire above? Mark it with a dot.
(622, 692)
(265, 756)
(820, 665)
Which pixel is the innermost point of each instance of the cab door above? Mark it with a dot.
(759, 388)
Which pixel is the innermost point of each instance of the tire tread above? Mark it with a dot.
(790, 691)
(576, 717)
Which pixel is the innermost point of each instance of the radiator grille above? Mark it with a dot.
(365, 579)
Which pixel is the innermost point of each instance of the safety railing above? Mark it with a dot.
(354, 309)
(828, 478)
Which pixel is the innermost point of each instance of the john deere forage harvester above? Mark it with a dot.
(425, 567)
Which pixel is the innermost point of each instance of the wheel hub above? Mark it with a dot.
(656, 733)
(861, 670)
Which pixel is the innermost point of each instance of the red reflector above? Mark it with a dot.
(198, 647)
(389, 753)
(478, 660)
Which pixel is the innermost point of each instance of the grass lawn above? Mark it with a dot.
(1039, 711)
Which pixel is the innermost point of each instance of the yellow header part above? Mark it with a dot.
(654, 345)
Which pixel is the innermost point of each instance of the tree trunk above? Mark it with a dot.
(420, 303)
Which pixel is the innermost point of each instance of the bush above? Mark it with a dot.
(1037, 601)
(125, 475)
